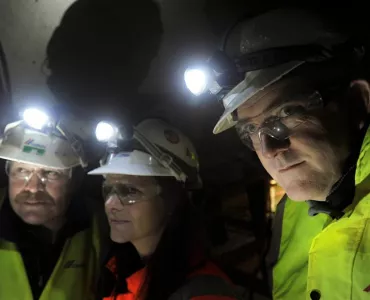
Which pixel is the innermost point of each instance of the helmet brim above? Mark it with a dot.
(253, 83)
(136, 163)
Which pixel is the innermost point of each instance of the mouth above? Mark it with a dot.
(118, 222)
(288, 168)
(35, 202)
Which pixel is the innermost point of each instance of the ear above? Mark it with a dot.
(359, 102)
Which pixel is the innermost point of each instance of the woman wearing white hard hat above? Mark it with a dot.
(158, 250)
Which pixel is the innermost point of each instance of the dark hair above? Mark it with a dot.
(180, 247)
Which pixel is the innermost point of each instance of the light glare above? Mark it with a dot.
(35, 118)
(196, 81)
(104, 131)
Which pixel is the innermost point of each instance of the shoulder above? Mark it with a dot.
(208, 282)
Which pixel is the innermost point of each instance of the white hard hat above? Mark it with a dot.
(274, 29)
(23, 144)
(136, 163)
(139, 162)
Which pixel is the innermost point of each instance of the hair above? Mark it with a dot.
(179, 247)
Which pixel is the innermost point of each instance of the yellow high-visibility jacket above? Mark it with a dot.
(73, 277)
(324, 258)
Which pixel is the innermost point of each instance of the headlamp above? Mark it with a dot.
(224, 73)
(217, 76)
(112, 134)
(35, 118)
(40, 120)
(105, 132)
(197, 79)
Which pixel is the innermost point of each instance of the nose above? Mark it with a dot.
(113, 203)
(34, 184)
(271, 147)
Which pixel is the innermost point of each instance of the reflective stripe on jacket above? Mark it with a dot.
(321, 258)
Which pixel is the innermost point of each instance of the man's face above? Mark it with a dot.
(39, 196)
(309, 161)
(133, 207)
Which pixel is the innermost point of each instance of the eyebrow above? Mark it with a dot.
(271, 106)
(126, 183)
(38, 168)
(294, 93)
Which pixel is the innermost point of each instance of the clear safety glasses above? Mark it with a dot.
(129, 194)
(22, 173)
(280, 122)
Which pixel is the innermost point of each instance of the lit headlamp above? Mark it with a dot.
(40, 120)
(111, 135)
(222, 73)
(35, 118)
(217, 76)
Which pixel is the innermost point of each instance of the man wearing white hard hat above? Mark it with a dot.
(48, 249)
(299, 97)
(159, 250)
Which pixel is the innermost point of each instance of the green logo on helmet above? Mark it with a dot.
(29, 146)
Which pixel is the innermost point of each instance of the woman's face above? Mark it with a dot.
(133, 207)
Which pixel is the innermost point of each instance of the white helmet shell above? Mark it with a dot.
(135, 163)
(171, 139)
(139, 163)
(26, 145)
(276, 28)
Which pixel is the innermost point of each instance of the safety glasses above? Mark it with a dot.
(20, 172)
(281, 121)
(129, 194)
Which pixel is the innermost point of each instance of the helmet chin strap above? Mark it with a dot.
(165, 159)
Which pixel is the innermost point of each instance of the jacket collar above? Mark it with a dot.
(125, 271)
(343, 191)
